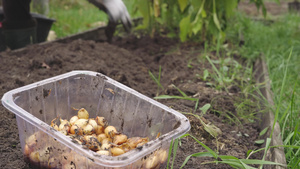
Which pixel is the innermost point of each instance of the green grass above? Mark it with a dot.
(280, 44)
(73, 16)
(216, 158)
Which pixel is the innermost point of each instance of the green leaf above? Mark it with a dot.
(175, 97)
(181, 92)
(246, 166)
(200, 154)
(203, 13)
(170, 152)
(174, 151)
(249, 152)
(145, 11)
(185, 26)
(288, 138)
(196, 27)
(230, 6)
(156, 80)
(205, 74)
(227, 157)
(259, 141)
(182, 4)
(261, 162)
(196, 105)
(215, 17)
(205, 108)
(263, 131)
(200, 10)
(214, 154)
(268, 142)
(196, 3)
(233, 163)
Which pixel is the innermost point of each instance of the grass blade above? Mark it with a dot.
(261, 162)
(281, 93)
(263, 131)
(234, 164)
(169, 154)
(181, 92)
(268, 142)
(246, 166)
(156, 80)
(174, 152)
(200, 154)
(214, 67)
(214, 154)
(175, 97)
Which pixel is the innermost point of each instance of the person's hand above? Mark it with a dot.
(116, 11)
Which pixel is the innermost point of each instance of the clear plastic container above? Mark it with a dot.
(132, 113)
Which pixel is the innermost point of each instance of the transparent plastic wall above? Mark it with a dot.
(129, 111)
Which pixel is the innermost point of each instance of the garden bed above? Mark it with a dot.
(128, 61)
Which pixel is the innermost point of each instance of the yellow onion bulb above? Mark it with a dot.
(83, 114)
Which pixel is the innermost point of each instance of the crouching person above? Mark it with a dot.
(18, 26)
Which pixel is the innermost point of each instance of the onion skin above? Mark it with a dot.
(76, 130)
(101, 137)
(99, 129)
(103, 152)
(27, 150)
(101, 121)
(134, 142)
(73, 119)
(152, 162)
(34, 157)
(73, 128)
(88, 130)
(162, 155)
(81, 122)
(55, 127)
(83, 114)
(31, 140)
(106, 141)
(120, 139)
(93, 123)
(110, 131)
(105, 146)
(115, 151)
(53, 163)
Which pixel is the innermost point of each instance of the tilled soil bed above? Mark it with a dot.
(128, 61)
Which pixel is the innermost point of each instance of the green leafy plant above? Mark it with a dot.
(202, 19)
(227, 72)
